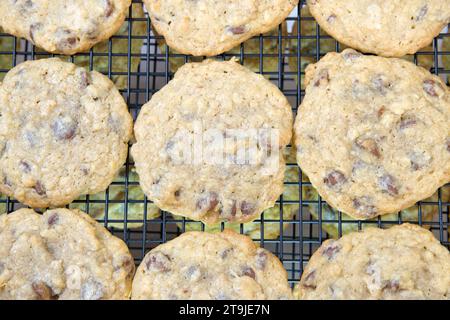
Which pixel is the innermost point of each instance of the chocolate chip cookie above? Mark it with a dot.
(65, 27)
(63, 132)
(211, 27)
(386, 28)
(403, 262)
(62, 254)
(205, 266)
(219, 130)
(372, 133)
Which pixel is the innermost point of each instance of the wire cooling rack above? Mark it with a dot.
(140, 63)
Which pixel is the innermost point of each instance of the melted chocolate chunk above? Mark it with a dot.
(309, 280)
(323, 78)
(247, 208)
(432, 87)
(331, 250)
(249, 272)
(24, 166)
(388, 184)
(64, 128)
(158, 261)
(335, 179)
(42, 291)
(53, 219)
(422, 13)
(39, 188)
(237, 30)
(364, 206)
(369, 145)
(109, 9)
(208, 202)
(261, 259)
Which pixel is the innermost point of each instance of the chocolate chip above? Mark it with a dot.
(392, 285)
(64, 128)
(335, 179)
(42, 291)
(247, 208)
(388, 184)
(381, 111)
(67, 41)
(193, 273)
(158, 261)
(53, 219)
(237, 30)
(208, 202)
(351, 55)
(331, 18)
(233, 209)
(85, 80)
(109, 9)
(422, 12)
(33, 28)
(364, 206)
(225, 253)
(177, 194)
(369, 145)
(381, 84)
(24, 166)
(323, 78)
(331, 250)
(419, 160)
(128, 265)
(308, 280)
(91, 290)
(432, 87)
(407, 121)
(39, 188)
(261, 259)
(448, 144)
(249, 272)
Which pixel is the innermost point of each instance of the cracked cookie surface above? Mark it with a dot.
(372, 133)
(220, 266)
(63, 132)
(65, 27)
(61, 254)
(202, 114)
(211, 27)
(386, 28)
(403, 262)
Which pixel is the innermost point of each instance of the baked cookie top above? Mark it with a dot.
(211, 27)
(65, 27)
(200, 122)
(372, 133)
(63, 132)
(206, 266)
(61, 254)
(387, 28)
(403, 262)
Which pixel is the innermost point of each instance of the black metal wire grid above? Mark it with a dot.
(300, 222)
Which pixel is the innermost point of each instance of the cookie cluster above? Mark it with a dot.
(372, 135)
